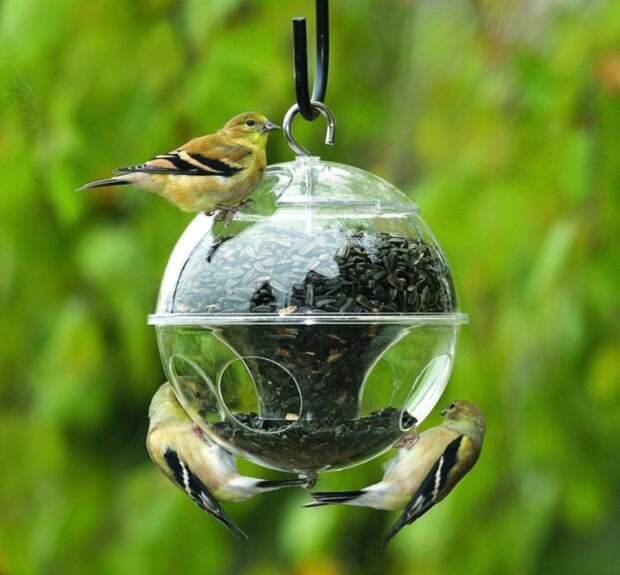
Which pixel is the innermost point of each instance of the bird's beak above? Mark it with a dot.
(444, 412)
(270, 127)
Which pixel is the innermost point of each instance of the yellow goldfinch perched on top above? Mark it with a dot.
(217, 171)
(200, 467)
(427, 467)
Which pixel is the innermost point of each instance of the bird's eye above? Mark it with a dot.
(451, 406)
(251, 123)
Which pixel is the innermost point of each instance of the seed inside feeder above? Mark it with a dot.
(332, 272)
(315, 444)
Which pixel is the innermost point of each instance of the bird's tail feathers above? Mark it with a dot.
(276, 484)
(234, 529)
(116, 181)
(332, 497)
(407, 518)
(402, 522)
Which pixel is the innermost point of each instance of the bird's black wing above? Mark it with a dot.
(185, 164)
(431, 489)
(196, 489)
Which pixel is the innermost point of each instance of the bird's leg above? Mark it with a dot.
(225, 214)
(248, 203)
(310, 477)
(408, 440)
(229, 217)
(219, 213)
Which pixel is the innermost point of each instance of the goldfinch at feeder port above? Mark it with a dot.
(425, 469)
(213, 172)
(200, 467)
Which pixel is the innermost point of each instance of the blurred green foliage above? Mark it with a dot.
(500, 118)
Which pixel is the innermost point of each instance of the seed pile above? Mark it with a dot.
(274, 269)
(321, 366)
(318, 382)
(313, 445)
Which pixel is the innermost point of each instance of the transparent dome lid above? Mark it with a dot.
(311, 331)
(322, 239)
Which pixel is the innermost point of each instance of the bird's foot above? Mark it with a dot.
(408, 440)
(230, 215)
(219, 213)
(225, 214)
(247, 204)
(310, 478)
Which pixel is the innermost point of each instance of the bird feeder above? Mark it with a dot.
(315, 329)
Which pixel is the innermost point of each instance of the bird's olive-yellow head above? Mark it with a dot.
(249, 128)
(465, 412)
(165, 406)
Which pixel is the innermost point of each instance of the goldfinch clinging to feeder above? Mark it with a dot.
(200, 467)
(424, 470)
(217, 171)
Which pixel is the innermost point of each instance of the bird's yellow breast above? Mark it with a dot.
(204, 193)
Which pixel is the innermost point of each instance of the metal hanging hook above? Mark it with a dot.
(319, 109)
(310, 107)
(301, 61)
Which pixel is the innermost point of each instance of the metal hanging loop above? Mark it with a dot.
(319, 109)
(319, 89)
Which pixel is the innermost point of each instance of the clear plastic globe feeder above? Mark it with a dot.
(317, 327)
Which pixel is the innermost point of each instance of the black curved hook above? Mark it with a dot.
(301, 60)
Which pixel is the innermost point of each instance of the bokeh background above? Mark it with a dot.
(500, 118)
